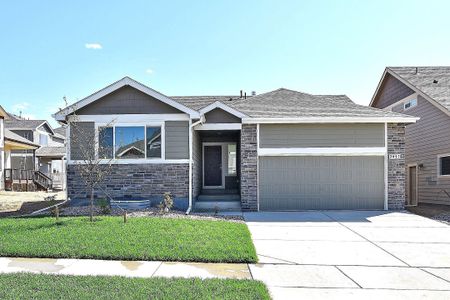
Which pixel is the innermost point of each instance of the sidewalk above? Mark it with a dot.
(143, 269)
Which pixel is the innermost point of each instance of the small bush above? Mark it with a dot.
(104, 206)
(167, 203)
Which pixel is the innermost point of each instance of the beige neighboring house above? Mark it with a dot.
(9, 141)
(422, 92)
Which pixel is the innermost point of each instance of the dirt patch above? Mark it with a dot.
(433, 211)
(29, 207)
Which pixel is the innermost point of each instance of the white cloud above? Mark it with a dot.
(149, 71)
(95, 46)
(18, 107)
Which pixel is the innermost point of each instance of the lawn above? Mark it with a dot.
(34, 286)
(143, 238)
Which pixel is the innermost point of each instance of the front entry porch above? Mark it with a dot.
(217, 170)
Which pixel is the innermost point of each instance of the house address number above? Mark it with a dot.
(395, 156)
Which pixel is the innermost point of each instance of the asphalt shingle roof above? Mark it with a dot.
(284, 103)
(199, 102)
(51, 152)
(15, 123)
(9, 135)
(433, 81)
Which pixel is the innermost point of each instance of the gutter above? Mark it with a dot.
(191, 127)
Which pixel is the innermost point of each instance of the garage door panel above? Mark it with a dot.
(325, 182)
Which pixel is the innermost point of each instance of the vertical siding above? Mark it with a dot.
(391, 91)
(425, 140)
(177, 139)
(82, 140)
(220, 116)
(321, 135)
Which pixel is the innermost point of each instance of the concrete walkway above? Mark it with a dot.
(351, 255)
(143, 269)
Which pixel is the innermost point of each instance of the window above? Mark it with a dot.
(153, 142)
(105, 142)
(410, 103)
(231, 159)
(130, 142)
(444, 165)
(43, 139)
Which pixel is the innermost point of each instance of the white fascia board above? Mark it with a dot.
(224, 107)
(319, 120)
(219, 126)
(332, 151)
(141, 161)
(378, 86)
(131, 118)
(60, 116)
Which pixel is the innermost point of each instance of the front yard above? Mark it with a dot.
(167, 239)
(33, 286)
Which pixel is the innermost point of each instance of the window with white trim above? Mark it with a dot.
(444, 165)
(409, 104)
(129, 142)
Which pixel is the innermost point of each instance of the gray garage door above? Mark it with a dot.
(325, 182)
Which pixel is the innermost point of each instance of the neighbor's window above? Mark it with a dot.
(153, 142)
(231, 159)
(410, 103)
(444, 165)
(130, 142)
(43, 139)
(105, 142)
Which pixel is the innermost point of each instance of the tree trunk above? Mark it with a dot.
(91, 214)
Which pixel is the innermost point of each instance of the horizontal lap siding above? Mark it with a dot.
(425, 140)
(177, 140)
(391, 91)
(293, 183)
(321, 135)
(82, 140)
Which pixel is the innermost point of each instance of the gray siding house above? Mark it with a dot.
(281, 150)
(423, 92)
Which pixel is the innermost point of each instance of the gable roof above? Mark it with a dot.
(431, 82)
(60, 115)
(15, 123)
(284, 104)
(13, 137)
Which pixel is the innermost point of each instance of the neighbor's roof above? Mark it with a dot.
(11, 136)
(51, 152)
(432, 81)
(285, 103)
(15, 123)
(199, 102)
(60, 131)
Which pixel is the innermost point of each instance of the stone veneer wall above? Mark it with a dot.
(148, 181)
(249, 168)
(396, 167)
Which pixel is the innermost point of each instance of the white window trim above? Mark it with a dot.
(402, 102)
(134, 160)
(439, 156)
(411, 106)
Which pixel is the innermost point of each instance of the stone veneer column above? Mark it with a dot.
(396, 166)
(249, 168)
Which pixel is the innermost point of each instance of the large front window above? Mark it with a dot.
(129, 142)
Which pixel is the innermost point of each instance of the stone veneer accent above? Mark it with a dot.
(148, 181)
(396, 167)
(249, 168)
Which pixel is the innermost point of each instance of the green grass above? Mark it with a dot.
(33, 286)
(138, 239)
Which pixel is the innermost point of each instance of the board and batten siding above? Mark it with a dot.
(425, 140)
(82, 135)
(177, 139)
(321, 135)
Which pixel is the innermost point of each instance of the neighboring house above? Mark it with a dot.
(422, 92)
(281, 150)
(10, 142)
(49, 158)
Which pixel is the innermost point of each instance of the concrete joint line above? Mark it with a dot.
(343, 273)
(153, 274)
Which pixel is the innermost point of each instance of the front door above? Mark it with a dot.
(212, 160)
(412, 191)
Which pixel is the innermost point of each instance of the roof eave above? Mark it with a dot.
(310, 120)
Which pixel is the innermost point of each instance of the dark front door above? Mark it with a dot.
(212, 165)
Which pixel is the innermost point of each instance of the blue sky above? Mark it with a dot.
(211, 47)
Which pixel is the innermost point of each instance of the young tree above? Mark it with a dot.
(94, 154)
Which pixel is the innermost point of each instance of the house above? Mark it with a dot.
(281, 150)
(423, 92)
(10, 142)
(49, 159)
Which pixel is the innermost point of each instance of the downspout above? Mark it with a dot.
(191, 127)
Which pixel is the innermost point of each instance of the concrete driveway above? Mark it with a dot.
(351, 255)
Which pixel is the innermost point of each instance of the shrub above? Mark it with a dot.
(104, 206)
(167, 203)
